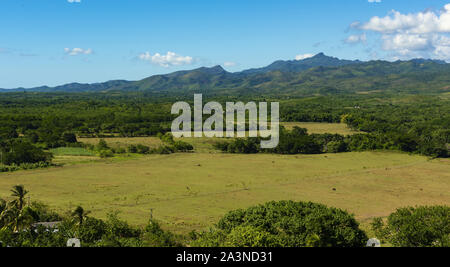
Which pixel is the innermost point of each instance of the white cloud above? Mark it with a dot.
(77, 51)
(74, 1)
(405, 43)
(229, 64)
(353, 39)
(422, 34)
(418, 23)
(170, 59)
(304, 56)
(374, 1)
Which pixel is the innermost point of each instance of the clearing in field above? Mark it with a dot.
(321, 128)
(192, 191)
(71, 151)
(124, 142)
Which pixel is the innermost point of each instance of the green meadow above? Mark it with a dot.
(192, 191)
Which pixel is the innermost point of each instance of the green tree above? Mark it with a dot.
(79, 215)
(248, 236)
(286, 224)
(19, 193)
(416, 227)
(69, 138)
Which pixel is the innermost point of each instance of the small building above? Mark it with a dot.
(49, 226)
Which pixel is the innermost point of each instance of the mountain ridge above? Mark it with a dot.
(314, 74)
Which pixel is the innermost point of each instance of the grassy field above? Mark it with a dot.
(191, 191)
(71, 151)
(120, 142)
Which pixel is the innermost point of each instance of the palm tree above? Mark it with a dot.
(19, 192)
(80, 214)
(14, 214)
(3, 207)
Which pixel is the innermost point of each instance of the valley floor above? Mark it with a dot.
(192, 191)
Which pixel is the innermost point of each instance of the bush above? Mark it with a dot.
(167, 138)
(102, 145)
(164, 150)
(120, 150)
(119, 233)
(91, 230)
(183, 146)
(154, 236)
(132, 149)
(106, 154)
(416, 227)
(141, 149)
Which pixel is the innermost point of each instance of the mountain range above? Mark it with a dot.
(319, 74)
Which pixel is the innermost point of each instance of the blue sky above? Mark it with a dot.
(52, 42)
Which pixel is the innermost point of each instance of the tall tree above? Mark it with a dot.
(79, 214)
(19, 192)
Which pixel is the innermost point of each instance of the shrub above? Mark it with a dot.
(164, 150)
(102, 145)
(167, 138)
(154, 236)
(141, 149)
(183, 146)
(416, 227)
(132, 149)
(120, 150)
(91, 230)
(106, 154)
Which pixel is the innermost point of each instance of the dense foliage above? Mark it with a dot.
(416, 227)
(286, 224)
(298, 141)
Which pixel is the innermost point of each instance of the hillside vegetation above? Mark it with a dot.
(320, 74)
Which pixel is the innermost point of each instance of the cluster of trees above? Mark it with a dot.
(411, 123)
(46, 118)
(19, 153)
(298, 141)
(274, 224)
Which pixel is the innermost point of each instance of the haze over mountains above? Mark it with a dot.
(319, 74)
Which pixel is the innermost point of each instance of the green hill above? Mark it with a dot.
(318, 75)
